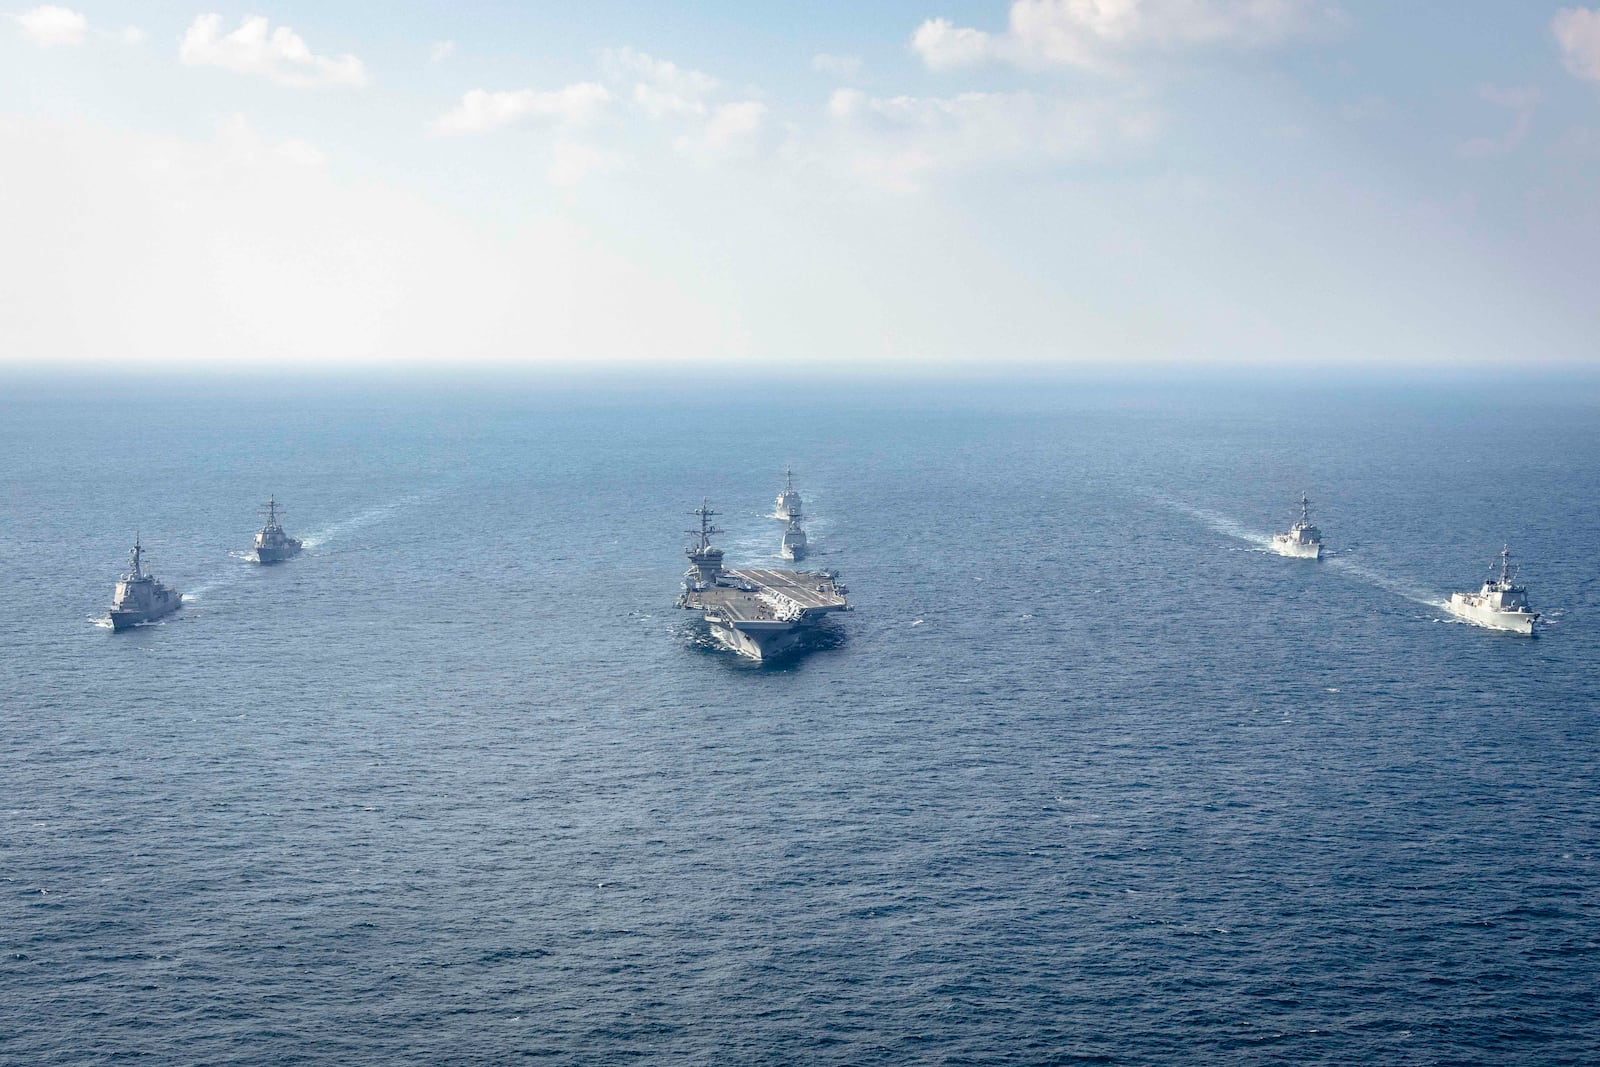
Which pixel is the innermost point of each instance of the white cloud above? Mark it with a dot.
(686, 99)
(49, 26)
(573, 161)
(660, 88)
(440, 51)
(232, 250)
(134, 35)
(279, 54)
(735, 122)
(240, 145)
(1100, 34)
(899, 143)
(1577, 31)
(1521, 102)
(943, 45)
(481, 111)
(844, 68)
(730, 127)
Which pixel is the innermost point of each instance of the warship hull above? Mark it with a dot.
(127, 620)
(276, 555)
(1284, 546)
(1517, 622)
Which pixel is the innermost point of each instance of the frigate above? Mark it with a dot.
(788, 503)
(1303, 541)
(272, 544)
(139, 597)
(757, 612)
(1501, 604)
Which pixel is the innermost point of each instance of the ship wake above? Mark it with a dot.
(1222, 524)
(356, 522)
(1388, 583)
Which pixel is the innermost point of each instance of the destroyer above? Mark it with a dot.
(757, 613)
(788, 503)
(1501, 604)
(139, 597)
(1303, 541)
(272, 544)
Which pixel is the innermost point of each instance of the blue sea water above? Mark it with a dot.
(1085, 777)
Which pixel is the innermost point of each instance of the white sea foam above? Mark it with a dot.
(1398, 586)
(355, 522)
(1222, 524)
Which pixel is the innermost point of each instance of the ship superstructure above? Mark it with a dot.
(793, 546)
(272, 544)
(1304, 540)
(139, 597)
(787, 505)
(757, 612)
(1501, 604)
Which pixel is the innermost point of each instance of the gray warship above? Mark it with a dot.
(139, 597)
(1502, 603)
(793, 546)
(787, 506)
(272, 544)
(1304, 540)
(756, 612)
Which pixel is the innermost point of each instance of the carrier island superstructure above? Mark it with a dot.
(756, 612)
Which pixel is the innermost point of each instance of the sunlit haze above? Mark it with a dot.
(903, 185)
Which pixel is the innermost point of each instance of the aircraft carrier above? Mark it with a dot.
(756, 612)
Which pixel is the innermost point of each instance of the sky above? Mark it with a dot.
(905, 185)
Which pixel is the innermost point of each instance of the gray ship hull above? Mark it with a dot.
(276, 555)
(126, 620)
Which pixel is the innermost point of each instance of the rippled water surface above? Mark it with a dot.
(1087, 776)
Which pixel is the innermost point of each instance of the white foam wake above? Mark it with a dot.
(1387, 582)
(1222, 524)
(355, 522)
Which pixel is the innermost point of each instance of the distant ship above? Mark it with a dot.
(272, 544)
(794, 541)
(1303, 541)
(788, 504)
(139, 597)
(758, 613)
(1501, 604)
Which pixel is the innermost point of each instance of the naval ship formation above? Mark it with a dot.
(1501, 604)
(757, 612)
(763, 613)
(793, 545)
(139, 598)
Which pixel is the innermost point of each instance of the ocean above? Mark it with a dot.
(1086, 776)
